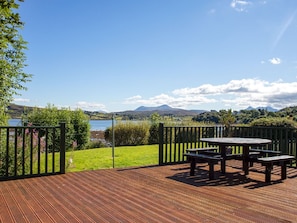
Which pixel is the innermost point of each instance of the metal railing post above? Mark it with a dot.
(62, 147)
(161, 137)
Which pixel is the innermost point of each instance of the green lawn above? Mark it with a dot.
(126, 156)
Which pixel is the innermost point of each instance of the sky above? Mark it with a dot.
(117, 55)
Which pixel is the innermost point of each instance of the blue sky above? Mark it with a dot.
(117, 55)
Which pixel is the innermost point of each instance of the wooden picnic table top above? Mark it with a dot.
(236, 141)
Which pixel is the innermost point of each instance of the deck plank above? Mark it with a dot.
(152, 194)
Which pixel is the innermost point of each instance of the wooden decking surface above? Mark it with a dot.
(152, 194)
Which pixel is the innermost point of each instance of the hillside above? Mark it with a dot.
(141, 112)
(16, 111)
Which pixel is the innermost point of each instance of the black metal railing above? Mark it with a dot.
(173, 140)
(27, 151)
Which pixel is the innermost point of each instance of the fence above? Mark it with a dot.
(173, 141)
(27, 151)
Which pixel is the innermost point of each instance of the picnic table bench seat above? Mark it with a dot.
(254, 154)
(265, 152)
(195, 157)
(281, 160)
(199, 150)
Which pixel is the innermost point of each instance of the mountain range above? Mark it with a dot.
(16, 111)
(268, 108)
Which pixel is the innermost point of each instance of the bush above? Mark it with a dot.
(129, 133)
(276, 122)
(153, 134)
(97, 144)
(77, 123)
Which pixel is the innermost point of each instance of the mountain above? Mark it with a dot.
(158, 108)
(267, 108)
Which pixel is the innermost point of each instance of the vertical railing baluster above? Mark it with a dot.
(38, 151)
(7, 152)
(53, 150)
(23, 150)
(62, 147)
(46, 150)
(171, 148)
(31, 150)
(161, 143)
(175, 139)
(15, 152)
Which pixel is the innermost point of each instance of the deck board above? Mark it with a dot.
(152, 194)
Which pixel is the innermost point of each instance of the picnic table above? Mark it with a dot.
(246, 144)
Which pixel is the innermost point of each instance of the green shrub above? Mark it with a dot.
(129, 133)
(153, 134)
(277, 122)
(96, 144)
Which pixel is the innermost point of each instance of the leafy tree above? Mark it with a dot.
(155, 118)
(12, 56)
(77, 123)
(227, 119)
(208, 117)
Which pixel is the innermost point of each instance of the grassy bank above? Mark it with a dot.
(126, 156)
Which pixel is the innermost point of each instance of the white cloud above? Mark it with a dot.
(176, 102)
(90, 106)
(275, 60)
(240, 5)
(237, 94)
(23, 100)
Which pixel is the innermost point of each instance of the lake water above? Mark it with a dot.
(95, 124)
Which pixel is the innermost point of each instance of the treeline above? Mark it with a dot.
(246, 116)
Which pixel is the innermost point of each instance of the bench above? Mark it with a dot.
(281, 160)
(201, 150)
(264, 152)
(211, 160)
(254, 154)
(213, 151)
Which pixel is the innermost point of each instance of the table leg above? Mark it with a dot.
(245, 160)
(223, 161)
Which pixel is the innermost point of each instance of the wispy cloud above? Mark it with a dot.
(240, 5)
(284, 28)
(23, 100)
(235, 94)
(90, 106)
(275, 60)
(178, 102)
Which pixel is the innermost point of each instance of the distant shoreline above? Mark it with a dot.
(96, 125)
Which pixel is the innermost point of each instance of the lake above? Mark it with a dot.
(95, 124)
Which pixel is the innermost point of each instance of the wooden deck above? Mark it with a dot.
(152, 194)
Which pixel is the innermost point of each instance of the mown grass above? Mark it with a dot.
(126, 156)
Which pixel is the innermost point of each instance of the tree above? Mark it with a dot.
(155, 119)
(12, 56)
(77, 123)
(227, 119)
